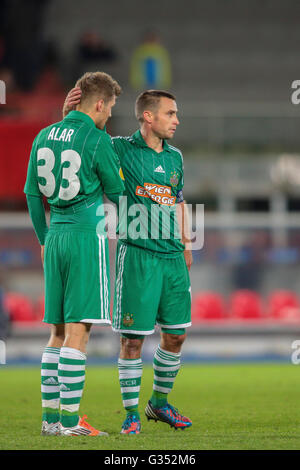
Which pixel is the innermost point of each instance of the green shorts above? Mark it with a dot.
(150, 290)
(76, 267)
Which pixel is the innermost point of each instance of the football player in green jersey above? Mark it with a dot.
(152, 279)
(72, 163)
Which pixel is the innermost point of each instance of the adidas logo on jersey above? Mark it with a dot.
(159, 169)
(50, 381)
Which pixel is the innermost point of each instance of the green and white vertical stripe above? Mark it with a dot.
(119, 286)
(104, 294)
(50, 385)
(130, 376)
(71, 376)
(166, 366)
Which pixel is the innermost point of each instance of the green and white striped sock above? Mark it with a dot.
(71, 376)
(130, 376)
(50, 385)
(166, 365)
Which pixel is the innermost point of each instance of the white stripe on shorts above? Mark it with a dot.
(106, 300)
(119, 283)
(100, 274)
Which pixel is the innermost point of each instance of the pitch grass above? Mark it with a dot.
(232, 407)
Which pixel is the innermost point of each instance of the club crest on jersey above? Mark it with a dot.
(128, 320)
(174, 180)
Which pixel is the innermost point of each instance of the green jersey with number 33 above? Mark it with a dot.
(72, 161)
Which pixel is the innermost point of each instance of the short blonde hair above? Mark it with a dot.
(98, 84)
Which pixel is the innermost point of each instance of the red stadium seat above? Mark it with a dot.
(284, 305)
(208, 306)
(245, 304)
(19, 307)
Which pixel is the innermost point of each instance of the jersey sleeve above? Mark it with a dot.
(108, 168)
(179, 188)
(37, 214)
(31, 184)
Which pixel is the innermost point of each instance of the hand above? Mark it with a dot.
(72, 100)
(188, 258)
(42, 253)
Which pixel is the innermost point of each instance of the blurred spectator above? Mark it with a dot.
(150, 64)
(250, 264)
(49, 81)
(93, 53)
(22, 26)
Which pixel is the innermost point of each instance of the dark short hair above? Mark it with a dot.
(98, 84)
(149, 100)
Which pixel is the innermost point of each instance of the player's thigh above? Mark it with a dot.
(54, 290)
(175, 304)
(87, 289)
(137, 291)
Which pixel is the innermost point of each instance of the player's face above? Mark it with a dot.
(165, 119)
(105, 113)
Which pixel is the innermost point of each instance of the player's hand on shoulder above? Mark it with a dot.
(72, 100)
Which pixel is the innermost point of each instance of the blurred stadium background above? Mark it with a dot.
(232, 66)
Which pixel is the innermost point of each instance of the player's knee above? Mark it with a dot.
(131, 348)
(171, 341)
(57, 333)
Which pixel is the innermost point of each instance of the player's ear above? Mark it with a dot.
(148, 116)
(100, 106)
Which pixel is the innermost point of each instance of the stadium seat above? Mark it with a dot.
(245, 305)
(284, 305)
(19, 307)
(208, 306)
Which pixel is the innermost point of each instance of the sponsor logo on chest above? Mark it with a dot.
(157, 192)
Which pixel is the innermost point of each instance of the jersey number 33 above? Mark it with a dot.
(69, 173)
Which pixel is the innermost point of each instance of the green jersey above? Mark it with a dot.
(153, 186)
(71, 163)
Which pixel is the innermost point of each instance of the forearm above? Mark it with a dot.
(37, 214)
(184, 224)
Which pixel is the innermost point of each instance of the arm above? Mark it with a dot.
(71, 101)
(37, 214)
(109, 170)
(184, 227)
(35, 200)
